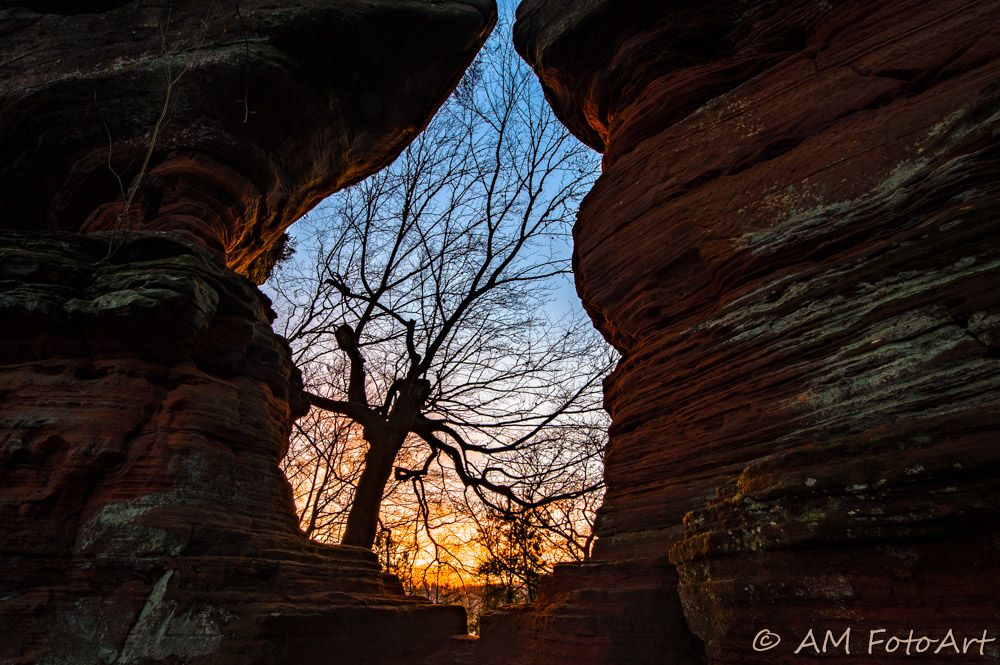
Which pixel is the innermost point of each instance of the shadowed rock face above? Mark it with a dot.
(794, 246)
(266, 108)
(145, 401)
(143, 517)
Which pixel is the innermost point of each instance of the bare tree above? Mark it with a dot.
(428, 317)
(513, 558)
(323, 464)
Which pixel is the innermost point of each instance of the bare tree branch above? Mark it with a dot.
(428, 311)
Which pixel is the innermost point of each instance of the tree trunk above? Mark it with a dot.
(384, 443)
(362, 521)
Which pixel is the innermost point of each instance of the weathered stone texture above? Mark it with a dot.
(794, 246)
(266, 108)
(602, 612)
(144, 400)
(143, 517)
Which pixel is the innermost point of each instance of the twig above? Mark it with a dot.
(246, 65)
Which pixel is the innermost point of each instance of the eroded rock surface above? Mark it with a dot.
(144, 400)
(249, 112)
(143, 517)
(794, 246)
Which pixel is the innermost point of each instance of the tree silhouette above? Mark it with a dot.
(429, 319)
(513, 558)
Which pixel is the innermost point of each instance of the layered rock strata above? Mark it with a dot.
(143, 517)
(149, 152)
(223, 121)
(794, 247)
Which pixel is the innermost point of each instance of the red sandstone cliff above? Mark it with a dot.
(268, 107)
(144, 399)
(794, 247)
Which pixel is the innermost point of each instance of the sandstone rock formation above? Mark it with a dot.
(266, 108)
(144, 399)
(146, 403)
(794, 247)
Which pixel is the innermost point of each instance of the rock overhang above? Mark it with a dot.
(238, 117)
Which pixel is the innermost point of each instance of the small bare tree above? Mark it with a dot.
(427, 316)
(513, 558)
(322, 465)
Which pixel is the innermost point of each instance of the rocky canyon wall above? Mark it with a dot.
(149, 153)
(794, 247)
